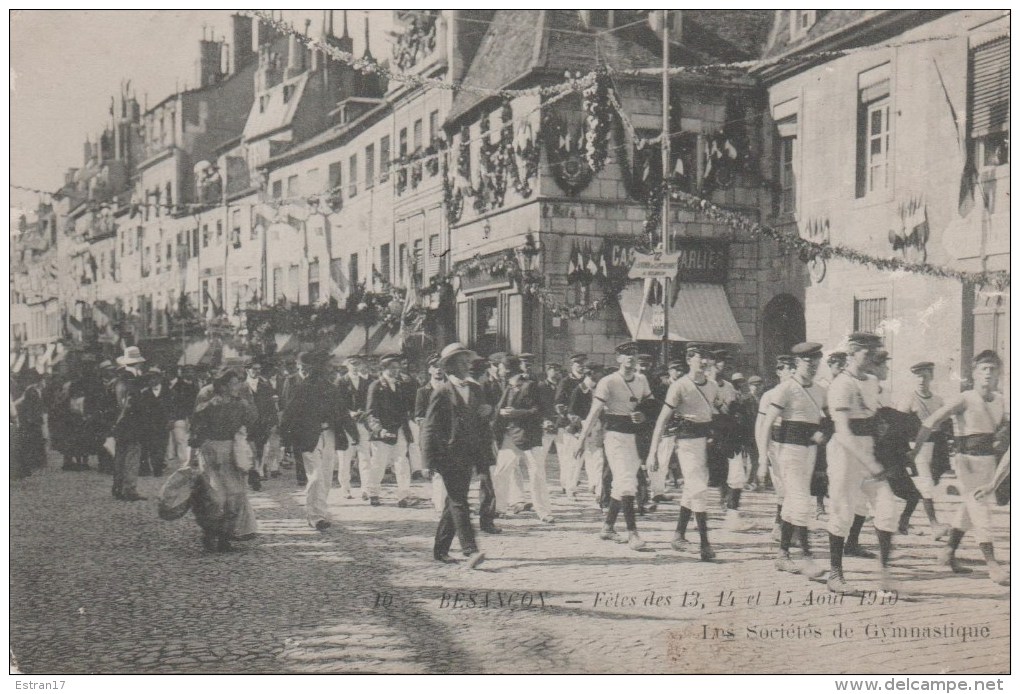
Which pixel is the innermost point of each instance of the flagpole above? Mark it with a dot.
(665, 181)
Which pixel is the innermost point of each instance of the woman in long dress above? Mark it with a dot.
(221, 502)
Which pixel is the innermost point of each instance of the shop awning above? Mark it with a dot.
(701, 314)
(198, 352)
(286, 342)
(379, 340)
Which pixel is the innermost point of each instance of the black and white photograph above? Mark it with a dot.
(510, 341)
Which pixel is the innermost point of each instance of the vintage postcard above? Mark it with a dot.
(511, 341)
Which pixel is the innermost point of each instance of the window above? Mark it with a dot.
(384, 262)
(988, 103)
(335, 178)
(288, 92)
(417, 136)
(402, 263)
(169, 257)
(293, 186)
(402, 152)
(235, 231)
(219, 231)
(102, 265)
(384, 158)
(205, 236)
(314, 184)
(277, 190)
(801, 21)
(294, 282)
(369, 166)
(432, 261)
(352, 269)
(313, 282)
(869, 314)
(277, 284)
(787, 152)
(433, 126)
(352, 170)
(487, 312)
(874, 131)
(263, 101)
(169, 197)
(194, 242)
(205, 297)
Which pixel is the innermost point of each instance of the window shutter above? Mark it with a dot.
(464, 322)
(989, 69)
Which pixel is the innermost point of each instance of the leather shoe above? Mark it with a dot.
(491, 529)
(858, 551)
(323, 525)
(445, 558)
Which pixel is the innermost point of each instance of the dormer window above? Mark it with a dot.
(288, 92)
(801, 22)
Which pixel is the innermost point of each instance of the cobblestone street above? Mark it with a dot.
(101, 586)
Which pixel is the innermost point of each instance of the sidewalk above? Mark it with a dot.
(105, 586)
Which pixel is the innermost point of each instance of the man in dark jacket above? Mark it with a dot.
(519, 434)
(455, 439)
(129, 427)
(356, 382)
(566, 442)
(387, 420)
(290, 384)
(259, 393)
(314, 423)
(154, 401)
(183, 392)
(421, 405)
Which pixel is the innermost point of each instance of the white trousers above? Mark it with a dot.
(383, 455)
(851, 492)
(923, 481)
(594, 462)
(177, 447)
(693, 457)
(413, 447)
(508, 461)
(570, 467)
(622, 456)
(736, 472)
(319, 468)
(657, 478)
(798, 464)
(777, 473)
(438, 495)
(364, 450)
(975, 471)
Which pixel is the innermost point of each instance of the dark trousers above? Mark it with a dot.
(456, 518)
(486, 498)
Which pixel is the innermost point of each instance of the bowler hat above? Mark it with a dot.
(132, 355)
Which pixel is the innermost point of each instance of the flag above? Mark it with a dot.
(572, 268)
(678, 167)
(731, 151)
(603, 270)
(593, 266)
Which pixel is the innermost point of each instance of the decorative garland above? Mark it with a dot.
(810, 249)
(576, 159)
(598, 120)
(417, 42)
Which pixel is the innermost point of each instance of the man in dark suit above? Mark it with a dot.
(421, 405)
(387, 419)
(259, 393)
(290, 384)
(519, 434)
(154, 402)
(455, 438)
(356, 383)
(315, 423)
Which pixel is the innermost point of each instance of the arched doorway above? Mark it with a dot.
(782, 326)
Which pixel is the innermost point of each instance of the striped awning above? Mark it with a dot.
(198, 352)
(378, 341)
(701, 314)
(286, 342)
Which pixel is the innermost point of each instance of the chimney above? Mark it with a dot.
(243, 53)
(210, 62)
(87, 151)
(368, 50)
(295, 57)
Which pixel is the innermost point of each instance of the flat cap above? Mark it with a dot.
(107, 364)
(700, 349)
(433, 359)
(807, 350)
(387, 359)
(526, 356)
(313, 358)
(627, 348)
(754, 380)
(553, 365)
(645, 357)
(579, 357)
(677, 364)
(836, 357)
(721, 355)
(865, 340)
(989, 356)
(737, 378)
(497, 357)
(923, 366)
